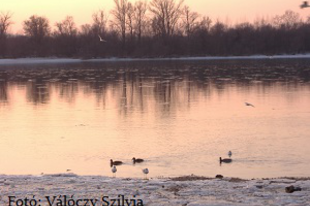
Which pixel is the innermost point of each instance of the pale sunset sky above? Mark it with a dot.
(228, 11)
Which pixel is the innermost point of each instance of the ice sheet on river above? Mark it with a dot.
(69, 60)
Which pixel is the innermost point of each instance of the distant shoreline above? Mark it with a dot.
(53, 60)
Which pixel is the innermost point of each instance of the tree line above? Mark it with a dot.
(159, 28)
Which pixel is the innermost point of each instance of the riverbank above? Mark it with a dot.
(70, 189)
(19, 61)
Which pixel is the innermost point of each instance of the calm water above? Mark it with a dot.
(179, 116)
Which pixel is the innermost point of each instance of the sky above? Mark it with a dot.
(228, 11)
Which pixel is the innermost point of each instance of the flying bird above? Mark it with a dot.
(249, 104)
(304, 5)
(101, 39)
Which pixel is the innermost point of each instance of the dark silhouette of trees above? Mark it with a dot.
(189, 24)
(65, 37)
(5, 22)
(161, 28)
(66, 27)
(189, 21)
(218, 35)
(199, 42)
(288, 20)
(120, 13)
(140, 18)
(166, 14)
(130, 20)
(98, 29)
(99, 23)
(38, 29)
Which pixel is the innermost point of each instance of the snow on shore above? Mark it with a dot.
(68, 188)
(68, 60)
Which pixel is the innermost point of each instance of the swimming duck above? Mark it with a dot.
(226, 160)
(115, 162)
(304, 5)
(138, 160)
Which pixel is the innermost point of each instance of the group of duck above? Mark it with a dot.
(113, 164)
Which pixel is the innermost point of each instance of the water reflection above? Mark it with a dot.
(133, 84)
(3, 92)
(81, 115)
(37, 93)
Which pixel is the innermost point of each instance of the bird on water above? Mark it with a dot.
(137, 160)
(225, 160)
(304, 5)
(229, 153)
(115, 162)
(114, 170)
(145, 171)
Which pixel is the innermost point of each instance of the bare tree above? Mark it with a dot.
(166, 14)
(65, 37)
(66, 27)
(140, 17)
(130, 19)
(288, 19)
(99, 22)
(205, 23)
(86, 29)
(189, 21)
(181, 31)
(218, 31)
(37, 27)
(5, 22)
(120, 17)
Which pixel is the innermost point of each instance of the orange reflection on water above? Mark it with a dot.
(180, 123)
